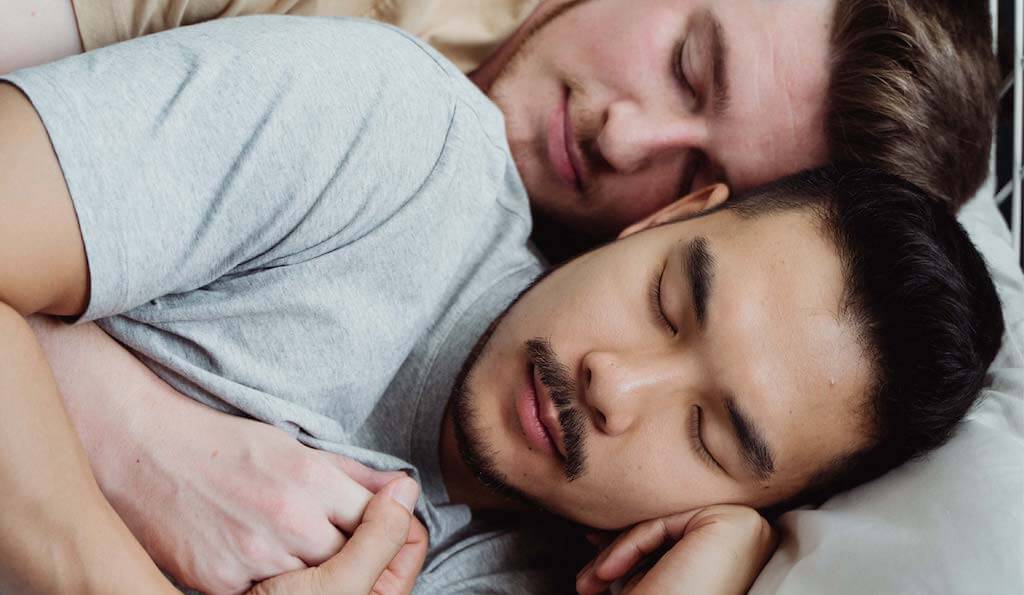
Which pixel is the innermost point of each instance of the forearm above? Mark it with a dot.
(57, 533)
(36, 32)
(217, 501)
(125, 416)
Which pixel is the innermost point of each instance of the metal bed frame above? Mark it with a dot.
(1014, 83)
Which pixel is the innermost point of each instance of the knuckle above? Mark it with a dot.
(223, 578)
(253, 550)
(269, 503)
(344, 463)
(750, 520)
(307, 470)
(320, 583)
(387, 584)
(287, 512)
(322, 546)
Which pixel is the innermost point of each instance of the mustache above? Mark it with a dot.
(558, 379)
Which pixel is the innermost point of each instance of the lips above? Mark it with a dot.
(562, 145)
(548, 413)
(538, 417)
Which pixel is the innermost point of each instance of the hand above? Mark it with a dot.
(242, 502)
(720, 550)
(218, 501)
(383, 556)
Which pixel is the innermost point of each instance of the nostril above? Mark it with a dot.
(601, 420)
(589, 377)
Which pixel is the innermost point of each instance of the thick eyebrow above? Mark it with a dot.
(756, 452)
(719, 64)
(699, 268)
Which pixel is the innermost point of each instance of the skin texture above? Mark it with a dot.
(733, 540)
(37, 31)
(270, 505)
(47, 487)
(773, 339)
(378, 540)
(642, 137)
(641, 134)
(61, 534)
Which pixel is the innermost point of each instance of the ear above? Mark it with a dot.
(687, 206)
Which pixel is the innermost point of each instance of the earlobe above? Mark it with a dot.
(693, 203)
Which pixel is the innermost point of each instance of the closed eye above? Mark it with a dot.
(654, 297)
(678, 71)
(697, 442)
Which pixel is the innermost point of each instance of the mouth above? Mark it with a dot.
(538, 417)
(562, 150)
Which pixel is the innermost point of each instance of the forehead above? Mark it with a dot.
(777, 342)
(778, 54)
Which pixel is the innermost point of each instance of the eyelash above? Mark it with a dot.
(677, 68)
(654, 294)
(695, 440)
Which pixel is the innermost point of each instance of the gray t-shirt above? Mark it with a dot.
(308, 222)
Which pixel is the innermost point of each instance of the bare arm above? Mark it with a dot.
(57, 533)
(218, 501)
(36, 32)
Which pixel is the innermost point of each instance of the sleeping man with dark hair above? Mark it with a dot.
(329, 259)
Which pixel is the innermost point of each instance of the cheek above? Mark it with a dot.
(647, 475)
(598, 316)
(644, 194)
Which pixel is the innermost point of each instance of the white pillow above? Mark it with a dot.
(952, 523)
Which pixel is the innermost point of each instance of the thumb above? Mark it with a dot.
(354, 570)
(630, 548)
(377, 540)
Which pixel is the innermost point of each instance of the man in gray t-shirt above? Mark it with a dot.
(320, 259)
(328, 256)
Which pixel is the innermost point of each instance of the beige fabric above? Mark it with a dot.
(465, 31)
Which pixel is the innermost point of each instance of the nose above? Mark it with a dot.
(633, 137)
(619, 388)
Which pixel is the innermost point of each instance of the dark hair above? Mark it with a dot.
(921, 298)
(913, 91)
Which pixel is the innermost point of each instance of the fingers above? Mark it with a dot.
(722, 549)
(371, 479)
(629, 549)
(349, 500)
(286, 565)
(400, 576)
(351, 491)
(356, 485)
(374, 544)
(640, 541)
(314, 550)
(350, 485)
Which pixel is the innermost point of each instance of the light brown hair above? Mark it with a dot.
(913, 91)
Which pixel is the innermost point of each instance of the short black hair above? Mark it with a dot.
(919, 295)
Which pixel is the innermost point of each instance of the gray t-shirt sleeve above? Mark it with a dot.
(236, 146)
